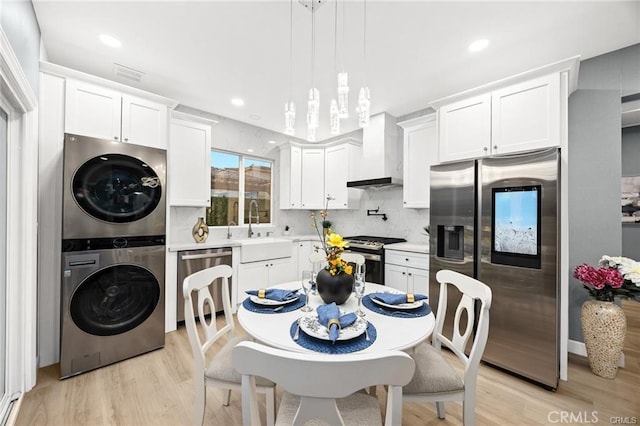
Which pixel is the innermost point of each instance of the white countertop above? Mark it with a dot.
(206, 245)
(413, 247)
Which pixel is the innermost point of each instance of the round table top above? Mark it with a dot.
(394, 333)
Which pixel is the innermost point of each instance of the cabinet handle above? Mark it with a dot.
(126, 139)
(345, 204)
(485, 149)
(410, 274)
(293, 204)
(404, 202)
(406, 259)
(495, 147)
(404, 273)
(115, 137)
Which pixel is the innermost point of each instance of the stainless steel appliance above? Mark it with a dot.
(496, 219)
(112, 189)
(193, 261)
(372, 248)
(112, 305)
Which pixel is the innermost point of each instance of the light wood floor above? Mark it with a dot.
(156, 389)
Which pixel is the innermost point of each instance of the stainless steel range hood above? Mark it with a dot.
(379, 167)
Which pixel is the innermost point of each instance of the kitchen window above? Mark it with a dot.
(237, 180)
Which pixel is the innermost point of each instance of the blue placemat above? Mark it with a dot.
(339, 347)
(254, 307)
(423, 310)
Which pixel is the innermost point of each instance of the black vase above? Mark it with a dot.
(334, 288)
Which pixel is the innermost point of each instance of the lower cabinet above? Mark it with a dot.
(407, 271)
(262, 274)
(305, 248)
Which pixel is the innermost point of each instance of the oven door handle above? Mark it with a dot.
(367, 256)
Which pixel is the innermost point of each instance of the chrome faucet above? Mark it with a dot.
(251, 204)
(229, 234)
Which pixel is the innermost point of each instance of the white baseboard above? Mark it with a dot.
(579, 348)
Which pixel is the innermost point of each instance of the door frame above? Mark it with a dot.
(22, 202)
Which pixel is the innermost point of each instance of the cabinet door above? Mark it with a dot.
(92, 111)
(189, 164)
(464, 129)
(336, 176)
(312, 190)
(526, 116)
(305, 248)
(418, 281)
(252, 276)
(420, 152)
(395, 276)
(144, 122)
(280, 271)
(295, 187)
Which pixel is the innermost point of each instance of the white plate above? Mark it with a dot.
(403, 306)
(311, 326)
(270, 302)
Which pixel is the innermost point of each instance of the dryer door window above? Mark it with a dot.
(116, 188)
(115, 300)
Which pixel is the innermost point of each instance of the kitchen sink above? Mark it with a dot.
(256, 249)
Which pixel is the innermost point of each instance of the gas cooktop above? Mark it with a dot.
(371, 242)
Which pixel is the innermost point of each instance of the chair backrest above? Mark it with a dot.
(200, 284)
(471, 290)
(319, 378)
(356, 258)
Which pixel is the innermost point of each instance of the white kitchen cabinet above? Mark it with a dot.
(305, 249)
(420, 153)
(515, 118)
(189, 166)
(312, 195)
(341, 162)
(526, 116)
(290, 177)
(263, 274)
(100, 112)
(407, 271)
(464, 129)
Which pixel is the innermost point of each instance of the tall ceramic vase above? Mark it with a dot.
(334, 288)
(200, 231)
(604, 327)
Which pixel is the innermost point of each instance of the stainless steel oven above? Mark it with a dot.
(372, 248)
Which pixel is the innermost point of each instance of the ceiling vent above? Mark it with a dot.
(128, 73)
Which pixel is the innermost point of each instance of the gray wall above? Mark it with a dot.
(18, 21)
(631, 167)
(595, 164)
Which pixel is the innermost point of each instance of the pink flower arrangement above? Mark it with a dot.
(614, 277)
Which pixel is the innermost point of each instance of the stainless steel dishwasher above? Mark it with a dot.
(196, 260)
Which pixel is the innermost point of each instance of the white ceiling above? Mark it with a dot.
(203, 53)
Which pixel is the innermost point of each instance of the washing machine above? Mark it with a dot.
(112, 300)
(112, 189)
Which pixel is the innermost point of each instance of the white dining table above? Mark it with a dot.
(393, 333)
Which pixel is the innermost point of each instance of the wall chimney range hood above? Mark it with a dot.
(379, 167)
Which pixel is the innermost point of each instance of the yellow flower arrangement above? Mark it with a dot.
(333, 245)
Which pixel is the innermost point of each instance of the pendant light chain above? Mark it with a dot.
(289, 106)
(364, 97)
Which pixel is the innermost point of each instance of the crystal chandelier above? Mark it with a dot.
(339, 105)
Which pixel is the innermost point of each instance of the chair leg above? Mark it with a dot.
(440, 409)
(226, 397)
(270, 405)
(373, 390)
(200, 401)
(468, 415)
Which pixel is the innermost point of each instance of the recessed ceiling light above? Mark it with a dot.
(110, 40)
(478, 45)
(250, 150)
(272, 142)
(237, 102)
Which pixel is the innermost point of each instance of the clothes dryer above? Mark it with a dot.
(112, 189)
(112, 304)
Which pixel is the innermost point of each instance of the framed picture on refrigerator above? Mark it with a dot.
(630, 199)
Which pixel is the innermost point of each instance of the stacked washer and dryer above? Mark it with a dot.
(113, 252)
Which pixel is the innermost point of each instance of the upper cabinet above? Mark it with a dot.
(420, 152)
(312, 182)
(101, 112)
(340, 162)
(189, 167)
(310, 174)
(521, 113)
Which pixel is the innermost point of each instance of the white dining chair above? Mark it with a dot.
(318, 260)
(321, 386)
(356, 258)
(434, 379)
(204, 333)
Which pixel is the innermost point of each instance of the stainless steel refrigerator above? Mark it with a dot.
(497, 219)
